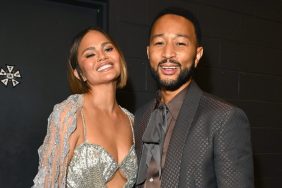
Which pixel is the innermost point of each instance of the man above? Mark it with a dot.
(185, 137)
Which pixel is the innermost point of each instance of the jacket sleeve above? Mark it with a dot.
(53, 153)
(233, 153)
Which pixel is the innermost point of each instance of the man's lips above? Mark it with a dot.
(169, 68)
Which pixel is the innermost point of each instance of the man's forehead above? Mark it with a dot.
(170, 35)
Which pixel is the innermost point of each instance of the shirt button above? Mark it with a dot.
(151, 180)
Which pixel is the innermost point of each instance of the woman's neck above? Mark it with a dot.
(102, 97)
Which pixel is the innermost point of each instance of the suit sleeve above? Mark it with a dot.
(233, 152)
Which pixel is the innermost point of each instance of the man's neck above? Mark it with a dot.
(167, 96)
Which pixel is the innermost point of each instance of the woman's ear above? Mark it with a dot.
(78, 76)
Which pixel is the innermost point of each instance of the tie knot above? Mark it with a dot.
(163, 108)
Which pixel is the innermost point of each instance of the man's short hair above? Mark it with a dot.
(183, 13)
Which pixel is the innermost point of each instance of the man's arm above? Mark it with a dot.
(233, 152)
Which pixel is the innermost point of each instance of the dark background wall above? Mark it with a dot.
(241, 63)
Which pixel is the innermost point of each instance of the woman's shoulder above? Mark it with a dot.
(72, 101)
(128, 113)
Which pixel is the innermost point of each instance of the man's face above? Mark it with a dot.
(173, 51)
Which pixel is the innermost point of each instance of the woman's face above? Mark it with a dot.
(99, 60)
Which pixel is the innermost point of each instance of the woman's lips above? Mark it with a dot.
(104, 67)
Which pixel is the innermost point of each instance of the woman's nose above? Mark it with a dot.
(101, 56)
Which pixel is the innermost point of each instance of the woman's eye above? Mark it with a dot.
(109, 49)
(89, 55)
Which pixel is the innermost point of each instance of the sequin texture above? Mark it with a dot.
(92, 166)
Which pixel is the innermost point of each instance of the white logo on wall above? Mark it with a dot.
(10, 75)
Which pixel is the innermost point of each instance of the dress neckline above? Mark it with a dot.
(100, 146)
(105, 151)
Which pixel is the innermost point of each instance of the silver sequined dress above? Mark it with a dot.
(92, 166)
(54, 154)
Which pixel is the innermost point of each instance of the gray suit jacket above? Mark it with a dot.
(210, 145)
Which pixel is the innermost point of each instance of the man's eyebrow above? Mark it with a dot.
(156, 35)
(177, 35)
(183, 35)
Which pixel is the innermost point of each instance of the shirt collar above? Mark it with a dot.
(175, 104)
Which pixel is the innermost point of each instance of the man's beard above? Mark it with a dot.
(171, 85)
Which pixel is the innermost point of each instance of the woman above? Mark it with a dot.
(89, 141)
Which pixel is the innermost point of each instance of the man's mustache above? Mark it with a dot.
(168, 60)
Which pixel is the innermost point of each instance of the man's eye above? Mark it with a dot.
(181, 44)
(89, 55)
(109, 49)
(158, 43)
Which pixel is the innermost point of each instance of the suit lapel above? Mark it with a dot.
(140, 126)
(171, 172)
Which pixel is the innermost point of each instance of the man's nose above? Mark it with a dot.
(169, 51)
